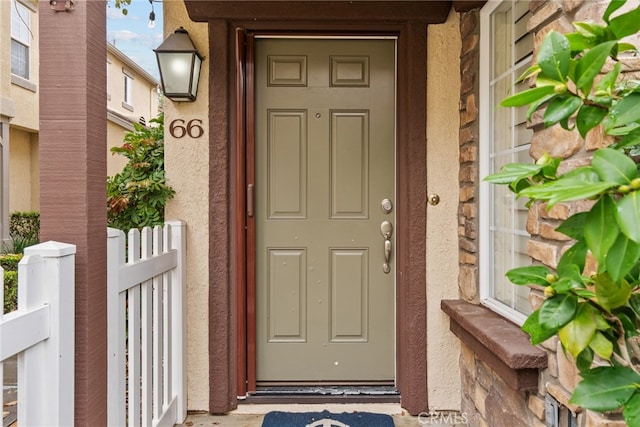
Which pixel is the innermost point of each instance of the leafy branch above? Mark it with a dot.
(578, 84)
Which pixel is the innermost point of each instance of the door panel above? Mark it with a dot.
(325, 145)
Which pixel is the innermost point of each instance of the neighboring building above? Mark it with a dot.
(132, 98)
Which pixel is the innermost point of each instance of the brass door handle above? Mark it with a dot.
(386, 229)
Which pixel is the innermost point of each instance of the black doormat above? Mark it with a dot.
(326, 419)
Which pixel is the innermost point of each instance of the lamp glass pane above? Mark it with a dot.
(176, 71)
(196, 74)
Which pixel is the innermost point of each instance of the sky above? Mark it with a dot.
(131, 33)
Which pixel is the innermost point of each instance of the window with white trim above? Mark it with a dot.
(128, 90)
(20, 39)
(506, 52)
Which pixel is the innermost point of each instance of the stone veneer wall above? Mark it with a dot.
(487, 400)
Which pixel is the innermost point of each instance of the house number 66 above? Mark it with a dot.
(193, 128)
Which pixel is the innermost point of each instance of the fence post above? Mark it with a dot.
(116, 380)
(178, 319)
(48, 269)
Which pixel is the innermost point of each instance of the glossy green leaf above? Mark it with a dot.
(579, 42)
(557, 311)
(529, 72)
(612, 7)
(608, 82)
(611, 294)
(565, 284)
(624, 47)
(584, 293)
(590, 65)
(530, 275)
(624, 112)
(631, 411)
(622, 257)
(632, 138)
(626, 24)
(513, 171)
(534, 106)
(537, 333)
(597, 32)
(573, 259)
(573, 226)
(628, 215)
(600, 231)
(578, 333)
(588, 118)
(584, 360)
(553, 56)
(601, 346)
(606, 388)
(613, 166)
(560, 109)
(527, 96)
(581, 183)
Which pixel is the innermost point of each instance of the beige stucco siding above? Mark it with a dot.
(23, 171)
(443, 87)
(187, 171)
(25, 92)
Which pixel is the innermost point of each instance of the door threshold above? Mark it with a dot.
(324, 394)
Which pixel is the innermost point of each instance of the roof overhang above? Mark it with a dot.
(426, 11)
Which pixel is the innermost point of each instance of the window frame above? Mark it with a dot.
(21, 34)
(486, 201)
(127, 101)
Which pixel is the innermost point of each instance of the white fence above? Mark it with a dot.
(41, 333)
(146, 326)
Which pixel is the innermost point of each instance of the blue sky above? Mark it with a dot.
(132, 35)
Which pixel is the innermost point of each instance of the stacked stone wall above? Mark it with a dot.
(487, 400)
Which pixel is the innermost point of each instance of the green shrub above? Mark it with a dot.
(24, 231)
(9, 262)
(136, 196)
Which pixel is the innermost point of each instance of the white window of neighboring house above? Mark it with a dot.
(128, 91)
(20, 39)
(506, 52)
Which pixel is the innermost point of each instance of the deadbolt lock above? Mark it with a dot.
(387, 206)
(433, 199)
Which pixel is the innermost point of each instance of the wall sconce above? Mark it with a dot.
(179, 63)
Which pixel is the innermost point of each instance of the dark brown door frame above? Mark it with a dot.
(229, 230)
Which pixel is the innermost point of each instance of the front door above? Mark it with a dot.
(324, 210)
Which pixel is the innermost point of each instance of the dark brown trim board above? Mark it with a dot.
(228, 252)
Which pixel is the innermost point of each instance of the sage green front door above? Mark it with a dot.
(325, 145)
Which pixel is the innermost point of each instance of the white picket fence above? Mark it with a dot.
(41, 333)
(146, 326)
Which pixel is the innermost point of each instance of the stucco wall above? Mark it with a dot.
(25, 97)
(443, 84)
(186, 163)
(22, 169)
(115, 137)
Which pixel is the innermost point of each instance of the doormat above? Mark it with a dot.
(326, 419)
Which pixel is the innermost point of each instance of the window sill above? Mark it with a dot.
(24, 83)
(496, 341)
(127, 106)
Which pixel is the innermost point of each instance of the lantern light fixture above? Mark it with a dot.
(179, 64)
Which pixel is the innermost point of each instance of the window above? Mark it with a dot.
(20, 39)
(128, 91)
(506, 48)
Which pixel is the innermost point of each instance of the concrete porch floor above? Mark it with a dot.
(251, 415)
